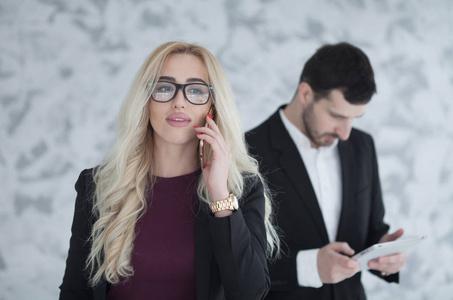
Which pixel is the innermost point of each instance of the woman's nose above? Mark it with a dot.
(179, 100)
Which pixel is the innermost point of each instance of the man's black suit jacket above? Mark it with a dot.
(299, 216)
(230, 252)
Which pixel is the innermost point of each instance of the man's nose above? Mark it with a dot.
(344, 129)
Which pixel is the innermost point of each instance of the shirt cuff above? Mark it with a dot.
(307, 268)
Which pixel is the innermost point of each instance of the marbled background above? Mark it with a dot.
(65, 67)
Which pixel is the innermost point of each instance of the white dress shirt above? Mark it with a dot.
(324, 169)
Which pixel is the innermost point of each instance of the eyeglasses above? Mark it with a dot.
(195, 93)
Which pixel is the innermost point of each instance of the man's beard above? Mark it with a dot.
(309, 120)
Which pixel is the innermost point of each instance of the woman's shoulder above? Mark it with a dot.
(86, 176)
(85, 183)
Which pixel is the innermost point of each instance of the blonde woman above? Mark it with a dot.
(150, 222)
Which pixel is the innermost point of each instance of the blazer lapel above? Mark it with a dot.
(347, 171)
(291, 162)
(203, 254)
(100, 291)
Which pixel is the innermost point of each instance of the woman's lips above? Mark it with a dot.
(178, 120)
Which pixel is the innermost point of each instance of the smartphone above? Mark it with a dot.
(205, 151)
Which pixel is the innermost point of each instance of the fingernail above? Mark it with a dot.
(209, 115)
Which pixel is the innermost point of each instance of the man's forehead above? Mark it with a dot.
(336, 103)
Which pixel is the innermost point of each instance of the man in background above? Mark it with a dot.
(325, 180)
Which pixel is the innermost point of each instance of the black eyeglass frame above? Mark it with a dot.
(183, 88)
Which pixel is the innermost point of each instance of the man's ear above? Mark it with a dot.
(304, 93)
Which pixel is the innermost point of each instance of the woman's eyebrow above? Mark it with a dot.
(195, 80)
(167, 78)
(172, 79)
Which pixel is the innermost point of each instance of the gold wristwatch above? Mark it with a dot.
(230, 203)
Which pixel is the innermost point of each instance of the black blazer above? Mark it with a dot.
(230, 252)
(299, 216)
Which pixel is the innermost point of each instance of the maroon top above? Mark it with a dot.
(163, 257)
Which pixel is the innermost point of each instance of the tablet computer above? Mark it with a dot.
(384, 249)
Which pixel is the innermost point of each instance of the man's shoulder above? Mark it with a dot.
(359, 136)
(258, 131)
(262, 140)
(261, 132)
(258, 139)
(360, 141)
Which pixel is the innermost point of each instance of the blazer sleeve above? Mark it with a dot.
(377, 227)
(239, 244)
(75, 280)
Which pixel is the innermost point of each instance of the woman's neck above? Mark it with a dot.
(174, 160)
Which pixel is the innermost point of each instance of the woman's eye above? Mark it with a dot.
(165, 88)
(195, 91)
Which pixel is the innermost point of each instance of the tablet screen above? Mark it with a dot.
(384, 249)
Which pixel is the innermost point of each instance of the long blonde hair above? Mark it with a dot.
(125, 173)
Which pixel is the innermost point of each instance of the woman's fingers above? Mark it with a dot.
(211, 135)
(212, 141)
(215, 172)
(212, 124)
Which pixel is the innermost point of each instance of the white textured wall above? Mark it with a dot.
(65, 67)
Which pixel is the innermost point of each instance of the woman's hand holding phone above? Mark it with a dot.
(215, 170)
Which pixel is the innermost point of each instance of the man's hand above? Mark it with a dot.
(333, 266)
(392, 263)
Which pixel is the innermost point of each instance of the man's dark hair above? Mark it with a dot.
(340, 66)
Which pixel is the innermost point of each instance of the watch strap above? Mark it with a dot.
(226, 204)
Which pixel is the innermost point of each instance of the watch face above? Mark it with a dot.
(235, 203)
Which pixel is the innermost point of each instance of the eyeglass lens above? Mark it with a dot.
(195, 93)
